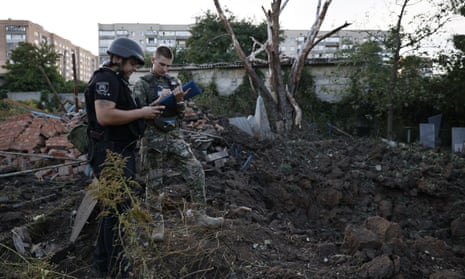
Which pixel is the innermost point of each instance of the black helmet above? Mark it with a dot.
(126, 48)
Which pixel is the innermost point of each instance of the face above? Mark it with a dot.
(161, 65)
(129, 67)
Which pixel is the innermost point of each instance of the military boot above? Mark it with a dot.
(158, 232)
(156, 207)
(200, 218)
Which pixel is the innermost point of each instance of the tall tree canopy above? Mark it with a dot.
(210, 44)
(24, 68)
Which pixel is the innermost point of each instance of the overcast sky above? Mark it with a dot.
(78, 21)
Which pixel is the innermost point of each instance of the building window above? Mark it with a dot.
(15, 38)
(151, 41)
(105, 43)
(122, 33)
(15, 28)
(151, 49)
(104, 33)
(183, 33)
(169, 33)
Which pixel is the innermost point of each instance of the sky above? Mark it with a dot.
(78, 21)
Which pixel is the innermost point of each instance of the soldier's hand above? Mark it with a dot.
(179, 94)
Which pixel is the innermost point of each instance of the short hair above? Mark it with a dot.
(164, 51)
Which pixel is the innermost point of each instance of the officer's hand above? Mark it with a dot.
(151, 112)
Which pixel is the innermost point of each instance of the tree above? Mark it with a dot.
(451, 85)
(280, 97)
(24, 70)
(426, 24)
(209, 43)
(368, 76)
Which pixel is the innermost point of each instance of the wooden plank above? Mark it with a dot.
(217, 155)
(84, 211)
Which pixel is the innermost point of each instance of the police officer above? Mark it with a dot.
(115, 123)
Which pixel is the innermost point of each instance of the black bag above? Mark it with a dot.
(165, 124)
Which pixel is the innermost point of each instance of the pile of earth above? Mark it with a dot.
(303, 206)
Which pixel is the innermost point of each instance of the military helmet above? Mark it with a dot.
(126, 48)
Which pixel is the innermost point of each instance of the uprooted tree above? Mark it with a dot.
(279, 98)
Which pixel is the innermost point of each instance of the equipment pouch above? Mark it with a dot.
(165, 124)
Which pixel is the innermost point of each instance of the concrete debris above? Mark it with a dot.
(37, 143)
(40, 144)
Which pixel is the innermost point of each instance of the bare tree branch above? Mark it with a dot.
(248, 67)
(297, 109)
(281, 95)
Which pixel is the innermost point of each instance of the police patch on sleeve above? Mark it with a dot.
(102, 88)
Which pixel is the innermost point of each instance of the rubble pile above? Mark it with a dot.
(38, 144)
(307, 205)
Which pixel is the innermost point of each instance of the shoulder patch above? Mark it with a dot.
(102, 88)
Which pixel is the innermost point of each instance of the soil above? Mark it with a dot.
(305, 206)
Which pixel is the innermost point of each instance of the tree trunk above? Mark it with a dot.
(282, 96)
(395, 67)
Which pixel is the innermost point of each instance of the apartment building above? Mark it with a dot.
(149, 36)
(12, 32)
(331, 47)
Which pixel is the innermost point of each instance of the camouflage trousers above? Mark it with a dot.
(164, 152)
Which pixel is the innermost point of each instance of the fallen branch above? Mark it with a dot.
(197, 271)
(201, 133)
(340, 131)
(41, 156)
(38, 169)
(44, 198)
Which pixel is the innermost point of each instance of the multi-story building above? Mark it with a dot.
(149, 36)
(331, 47)
(12, 32)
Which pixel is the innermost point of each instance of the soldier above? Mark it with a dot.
(163, 140)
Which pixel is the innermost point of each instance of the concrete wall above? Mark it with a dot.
(330, 81)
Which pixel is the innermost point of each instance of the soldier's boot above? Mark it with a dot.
(158, 231)
(200, 218)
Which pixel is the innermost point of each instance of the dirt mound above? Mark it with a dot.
(304, 206)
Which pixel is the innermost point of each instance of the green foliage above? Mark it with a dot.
(3, 94)
(448, 89)
(47, 102)
(16, 265)
(24, 72)
(185, 76)
(368, 79)
(113, 190)
(210, 43)
(4, 110)
(240, 103)
(68, 86)
(147, 60)
(366, 101)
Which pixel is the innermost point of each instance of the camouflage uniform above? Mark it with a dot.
(159, 146)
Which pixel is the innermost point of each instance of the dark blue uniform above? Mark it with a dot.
(107, 84)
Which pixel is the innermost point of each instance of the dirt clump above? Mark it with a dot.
(303, 206)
